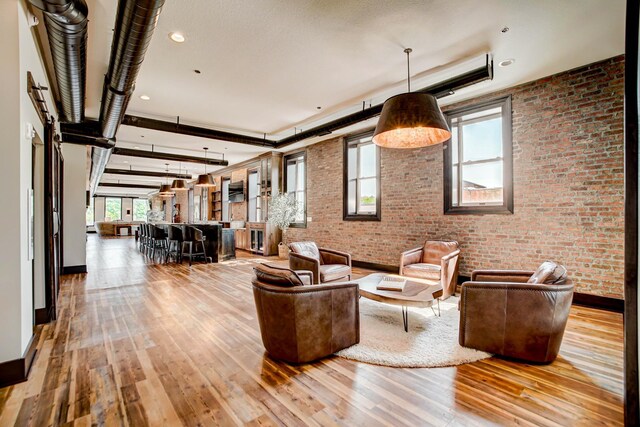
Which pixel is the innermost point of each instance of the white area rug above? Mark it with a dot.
(431, 341)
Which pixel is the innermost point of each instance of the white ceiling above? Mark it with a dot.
(267, 65)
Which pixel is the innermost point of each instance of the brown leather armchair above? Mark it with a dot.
(437, 260)
(301, 323)
(517, 314)
(326, 265)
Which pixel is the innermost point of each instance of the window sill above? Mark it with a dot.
(479, 210)
(361, 218)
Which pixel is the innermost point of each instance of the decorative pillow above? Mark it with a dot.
(549, 273)
(277, 276)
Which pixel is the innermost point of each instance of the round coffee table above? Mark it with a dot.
(417, 293)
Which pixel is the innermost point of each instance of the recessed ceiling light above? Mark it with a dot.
(145, 97)
(177, 37)
(137, 148)
(506, 62)
(125, 161)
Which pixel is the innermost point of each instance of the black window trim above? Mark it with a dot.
(299, 153)
(507, 156)
(346, 216)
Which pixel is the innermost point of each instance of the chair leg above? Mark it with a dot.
(190, 253)
(204, 251)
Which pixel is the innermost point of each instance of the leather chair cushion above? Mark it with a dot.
(277, 276)
(549, 273)
(329, 272)
(434, 250)
(308, 249)
(422, 271)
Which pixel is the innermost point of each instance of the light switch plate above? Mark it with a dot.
(308, 219)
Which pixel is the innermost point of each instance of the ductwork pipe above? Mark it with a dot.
(66, 23)
(99, 159)
(135, 23)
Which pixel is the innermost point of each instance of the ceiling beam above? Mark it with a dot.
(121, 185)
(146, 173)
(167, 156)
(176, 127)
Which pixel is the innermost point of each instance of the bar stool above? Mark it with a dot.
(158, 240)
(193, 238)
(174, 246)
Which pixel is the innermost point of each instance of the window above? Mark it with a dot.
(361, 178)
(112, 209)
(295, 183)
(90, 212)
(225, 199)
(478, 160)
(140, 208)
(254, 196)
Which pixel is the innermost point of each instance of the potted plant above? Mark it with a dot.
(283, 210)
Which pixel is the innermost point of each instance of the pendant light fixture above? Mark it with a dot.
(205, 180)
(165, 189)
(179, 184)
(411, 120)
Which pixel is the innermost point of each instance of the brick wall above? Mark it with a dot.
(568, 188)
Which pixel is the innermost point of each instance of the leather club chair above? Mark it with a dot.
(516, 314)
(301, 323)
(437, 260)
(326, 265)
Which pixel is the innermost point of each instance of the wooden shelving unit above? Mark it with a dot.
(216, 205)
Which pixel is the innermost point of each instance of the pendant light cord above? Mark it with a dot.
(408, 51)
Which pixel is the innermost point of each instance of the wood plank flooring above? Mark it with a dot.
(143, 344)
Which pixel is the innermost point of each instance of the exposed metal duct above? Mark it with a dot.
(66, 23)
(99, 160)
(135, 23)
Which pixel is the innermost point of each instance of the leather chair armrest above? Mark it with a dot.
(304, 323)
(301, 262)
(518, 276)
(330, 256)
(449, 273)
(501, 318)
(305, 274)
(412, 256)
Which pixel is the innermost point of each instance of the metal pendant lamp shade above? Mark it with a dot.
(179, 184)
(165, 191)
(205, 180)
(411, 120)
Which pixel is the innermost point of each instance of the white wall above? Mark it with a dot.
(127, 203)
(98, 209)
(19, 55)
(74, 237)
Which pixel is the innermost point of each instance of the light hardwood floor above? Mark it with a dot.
(144, 344)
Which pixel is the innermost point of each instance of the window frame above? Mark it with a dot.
(347, 142)
(507, 161)
(286, 158)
